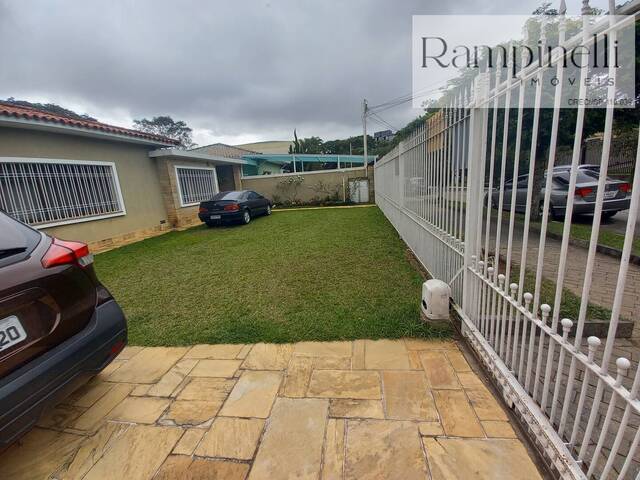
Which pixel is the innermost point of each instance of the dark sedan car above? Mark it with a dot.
(58, 325)
(234, 206)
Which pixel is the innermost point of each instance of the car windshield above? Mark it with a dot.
(229, 196)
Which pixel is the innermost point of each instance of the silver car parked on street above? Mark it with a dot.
(617, 195)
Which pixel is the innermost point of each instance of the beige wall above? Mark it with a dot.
(136, 171)
(177, 215)
(315, 187)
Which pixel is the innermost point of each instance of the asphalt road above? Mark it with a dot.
(616, 224)
(619, 223)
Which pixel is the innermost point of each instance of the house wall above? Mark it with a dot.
(269, 168)
(263, 168)
(178, 216)
(146, 214)
(318, 186)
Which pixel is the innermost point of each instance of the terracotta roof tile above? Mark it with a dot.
(29, 113)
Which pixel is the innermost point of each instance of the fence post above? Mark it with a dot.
(475, 182)
(401, 173)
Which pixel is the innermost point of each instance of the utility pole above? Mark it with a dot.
(364, 133)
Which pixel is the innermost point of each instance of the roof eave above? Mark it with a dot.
(193, 155)
(14, 122)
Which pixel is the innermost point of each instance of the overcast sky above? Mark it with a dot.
(235, 71)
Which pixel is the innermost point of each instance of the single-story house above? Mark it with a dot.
(102, 184)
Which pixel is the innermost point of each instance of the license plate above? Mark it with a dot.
(214, 217)
(11, 332)
(611, 194)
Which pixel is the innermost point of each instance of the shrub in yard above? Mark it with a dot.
(290, 187)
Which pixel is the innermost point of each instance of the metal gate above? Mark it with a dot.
(457, 196)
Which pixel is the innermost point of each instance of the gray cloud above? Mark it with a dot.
(252, 69)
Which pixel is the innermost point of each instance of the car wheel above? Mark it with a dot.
(246, 217)
(555, 215)
(268, 209)
(608, 215)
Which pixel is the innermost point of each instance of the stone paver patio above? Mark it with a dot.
(356, 410)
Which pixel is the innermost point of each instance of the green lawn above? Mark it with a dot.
(300, 275)
(606, 237)
(570, 304)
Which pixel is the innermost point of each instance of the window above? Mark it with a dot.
(196, 184)
(43, 193)
(17, 240)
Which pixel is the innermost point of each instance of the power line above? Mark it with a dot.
(377, 118)
(405, 100)
(381, 107)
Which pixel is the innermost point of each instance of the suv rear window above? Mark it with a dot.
(16, 240)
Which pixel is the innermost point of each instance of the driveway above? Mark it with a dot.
(618, 223)
(364, 409)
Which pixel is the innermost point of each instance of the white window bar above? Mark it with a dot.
(46, 192)
(195, 184)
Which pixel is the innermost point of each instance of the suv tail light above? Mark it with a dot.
(625, 187)
(63, 252)
(584, 191)
(202, 210)
(233, 207)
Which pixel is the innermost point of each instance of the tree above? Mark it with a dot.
(51, 108)
(312, 145)
(167, 127)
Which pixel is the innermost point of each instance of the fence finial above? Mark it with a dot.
(563, 8)
(562, 27)
(593, 343)
(566, 328)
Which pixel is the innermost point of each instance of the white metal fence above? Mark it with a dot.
(420, 186)
(446, 190)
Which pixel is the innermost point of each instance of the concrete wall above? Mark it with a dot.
(307, 187)
(146, 213)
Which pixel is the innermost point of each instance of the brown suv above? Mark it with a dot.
(58, 325)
